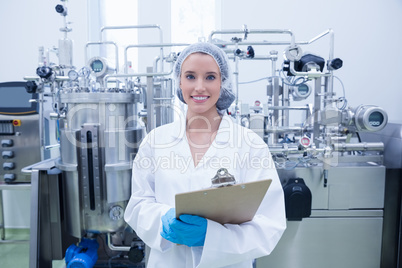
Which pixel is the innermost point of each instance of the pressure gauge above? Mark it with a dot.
(370, 118)
(73, 75)
(84, 72)
(305, 141)
(245, 122)
(301, 92)
(293, 53)
(99, 67)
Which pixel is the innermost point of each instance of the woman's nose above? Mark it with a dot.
(200, 85)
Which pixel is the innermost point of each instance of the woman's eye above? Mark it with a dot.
(190, 76)
(210, 77)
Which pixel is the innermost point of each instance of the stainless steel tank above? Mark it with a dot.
(99, 138)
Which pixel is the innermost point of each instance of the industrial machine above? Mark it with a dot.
(102, 114)
(333, 182)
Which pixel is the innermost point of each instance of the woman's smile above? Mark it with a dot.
(199, 98)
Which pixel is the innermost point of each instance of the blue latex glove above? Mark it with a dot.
(190, 230)
(169, 219)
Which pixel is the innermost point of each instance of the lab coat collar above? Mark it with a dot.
(223, 136)
(225, 130)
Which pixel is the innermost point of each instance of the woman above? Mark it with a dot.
(184, 156)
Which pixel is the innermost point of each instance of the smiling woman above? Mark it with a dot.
(200, 90)
(203, 141)
(200, 85)
(219, 58)
(202, 75)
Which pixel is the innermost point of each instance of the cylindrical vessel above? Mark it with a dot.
(99, 138)
(65, 52)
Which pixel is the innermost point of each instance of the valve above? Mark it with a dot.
(61, 10)
(44, 72)
(334, 64)
(236, 39)
(250, 52)
(31, 87)
(308, 62)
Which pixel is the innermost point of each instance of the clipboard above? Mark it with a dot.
(231, 204)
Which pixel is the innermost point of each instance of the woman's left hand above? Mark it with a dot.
(189, 230)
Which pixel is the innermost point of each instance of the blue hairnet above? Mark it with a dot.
(226, 96)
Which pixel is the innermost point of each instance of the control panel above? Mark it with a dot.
(19, 146)
(19, 132)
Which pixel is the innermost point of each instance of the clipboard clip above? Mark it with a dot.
(223, 178)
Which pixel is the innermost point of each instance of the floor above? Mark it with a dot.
(16, 254)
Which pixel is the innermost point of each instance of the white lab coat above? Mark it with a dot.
(164, 167)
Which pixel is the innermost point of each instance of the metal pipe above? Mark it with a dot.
(294, 150)
(260, 43)
(106, 78)
(162, 99)
(329, 79)
(53, 146)
(155, 64)
(145, 26)
(331, 43)
(285, 104)
(148, 46)
(329, 31)
(364, 146)
(150, 101)
(236, 74)
(158, 45)
(279, 150)
(337, 147)
(36, 78)
(279, 130)
(31, 78)
(41, 124)
(262, 31)
(263, 43)
(115, 248)
(275, 94)
(246, 58)
(316, 111)
(288, 108)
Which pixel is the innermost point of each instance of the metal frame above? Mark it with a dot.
(48, 241)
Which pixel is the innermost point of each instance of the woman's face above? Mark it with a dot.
(200, 82)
